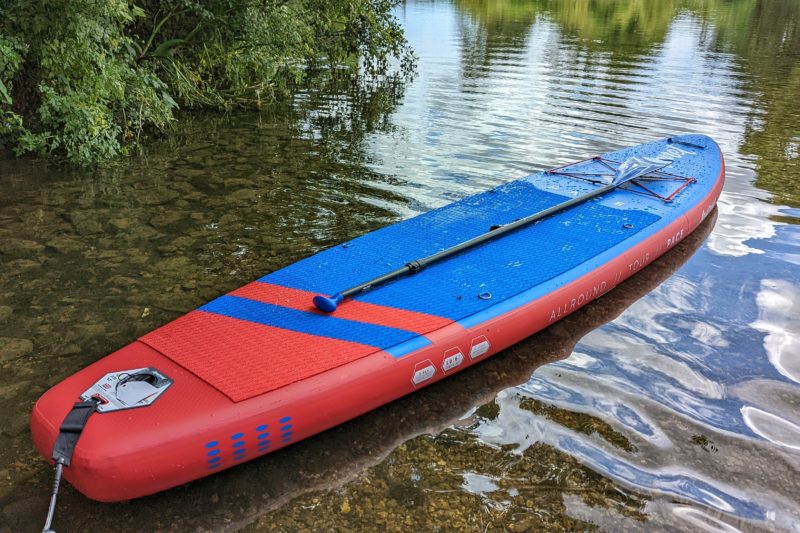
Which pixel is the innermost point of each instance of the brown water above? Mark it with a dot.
(671, 403)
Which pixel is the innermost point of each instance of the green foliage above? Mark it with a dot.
(85, 78)
(10, 60)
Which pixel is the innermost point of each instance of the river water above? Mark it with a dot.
(671, 403)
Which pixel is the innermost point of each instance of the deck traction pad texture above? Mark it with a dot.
(244, 348)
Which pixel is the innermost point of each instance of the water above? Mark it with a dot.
(671, 403)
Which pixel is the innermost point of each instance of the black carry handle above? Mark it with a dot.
(68, 435)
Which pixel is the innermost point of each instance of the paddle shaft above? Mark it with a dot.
(419, 264)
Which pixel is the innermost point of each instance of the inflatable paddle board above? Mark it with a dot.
(265, 366)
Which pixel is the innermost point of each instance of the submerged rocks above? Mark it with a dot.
(242, 195)
(20, 247)
(190, 172)
(17, 266)
(63, 244)
(67, 349)
(86, 222)
(121, 223)
(11, 348)
(184, 242)
(11, 390)
(158, 196)
(165, 218)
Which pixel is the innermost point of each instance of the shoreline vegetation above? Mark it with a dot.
(85, 80)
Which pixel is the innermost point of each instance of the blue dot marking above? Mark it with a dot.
(212, 467)
(263, 436)
(212, 453)
(239, 457)
(285, 419)
(263, 443)
(214, 460)
(262, 427)
(237, 436)
(212, 444)
(238, 444)
(287, 427)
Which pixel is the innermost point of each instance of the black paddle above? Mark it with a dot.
(633, 168)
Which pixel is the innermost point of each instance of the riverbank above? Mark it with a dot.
(85, 82)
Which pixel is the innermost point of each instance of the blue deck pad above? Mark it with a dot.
(393, 246)
(304, 322)
(497, 270)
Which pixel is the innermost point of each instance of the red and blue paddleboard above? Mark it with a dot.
(263, 367)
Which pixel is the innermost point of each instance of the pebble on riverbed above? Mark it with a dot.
(11, 348)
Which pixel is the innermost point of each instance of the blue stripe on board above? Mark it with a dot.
(321, 325)
(407, 347)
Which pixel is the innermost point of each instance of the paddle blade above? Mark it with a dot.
(636, 167)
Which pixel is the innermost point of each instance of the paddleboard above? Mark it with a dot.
(260, 368)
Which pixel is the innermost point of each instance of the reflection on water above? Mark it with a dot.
(779, 318)
(681, 411)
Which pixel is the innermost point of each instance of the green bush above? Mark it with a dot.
(83, 79)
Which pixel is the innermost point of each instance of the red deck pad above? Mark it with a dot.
(350, 310)
(243, 359)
